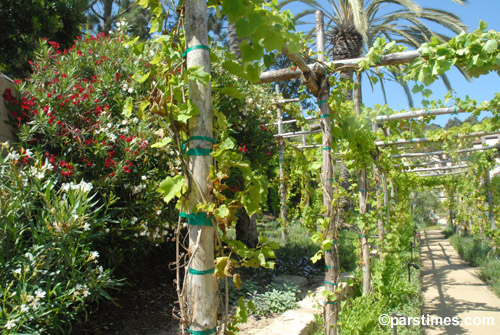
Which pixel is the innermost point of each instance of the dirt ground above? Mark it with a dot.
(143, 307)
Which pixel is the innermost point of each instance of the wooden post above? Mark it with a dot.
(283, 211)
(377, 176)
(332, 263)
(202, 300)
(491, 216)
(363, 195)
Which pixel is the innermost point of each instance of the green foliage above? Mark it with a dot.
(471, 249)
(71, 112)
(50, 269)
(276, 298)
(490, 272)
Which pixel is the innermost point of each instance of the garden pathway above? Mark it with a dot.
(451, 288)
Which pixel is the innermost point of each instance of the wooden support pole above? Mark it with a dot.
(283, 211)
(363, 238)
(202, 300)
(332, 273)
(378, 194)
(441, 174)
(491, 215)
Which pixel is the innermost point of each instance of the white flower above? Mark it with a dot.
(158, 212)
(100, 269)
(74, 217)
(144, 177)
(65, 187)
(24, 308)
(40, 294)
(85, 293)
(13, 156)
(86, 226)
(9, 324)
(130, 90)
(124, 122)
(134, 220)
(93, 255)
(17, 271)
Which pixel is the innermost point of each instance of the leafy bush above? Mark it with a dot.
(490, 272)
(470, 249)
(276, 298)
(49, 268)
(77, 110)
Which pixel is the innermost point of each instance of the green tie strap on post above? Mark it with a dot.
(327, 148)
(362, 236)
(323, 116)
(197, 219)
(331, 302)
(200, 151)
(428, 112)
(330, 283)
(331, 267)
(195, 47)
(321, 102)
(203, 332)
(201, 273)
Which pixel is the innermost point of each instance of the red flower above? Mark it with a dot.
(55, 45)
(126, 169)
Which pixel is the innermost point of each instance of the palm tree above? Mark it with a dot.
(352, 26)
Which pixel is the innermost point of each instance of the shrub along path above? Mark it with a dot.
(451, 289)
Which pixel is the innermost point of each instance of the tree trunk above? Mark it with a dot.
(233, 40)
(107, 16)
(202, 298)
(246, 229)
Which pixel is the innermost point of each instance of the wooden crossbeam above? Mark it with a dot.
(338, 66)
(434, 153)
(437, 168)
(418, 113)
(297, 133)
(441, 174)
(426, 139)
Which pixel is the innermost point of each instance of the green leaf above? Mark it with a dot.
(128, 107)
(490, 46)
(273, 40)
(233, 9)
(251, 52)
(232, 92)
(140, 77)
(483, 25)
(222, 211)
(171, 187)
(198, 73)
(162, 143)
(253, 72)
(138, 48)
(186, 111)
(234, 68)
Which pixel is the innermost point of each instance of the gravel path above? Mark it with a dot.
(452, 289)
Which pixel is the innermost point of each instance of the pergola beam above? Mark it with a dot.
(418, 113)
(434, 153)
(441, 174)
(437, 168)
(426, 139)
(338, 66)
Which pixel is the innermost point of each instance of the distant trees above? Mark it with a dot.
(23, 22)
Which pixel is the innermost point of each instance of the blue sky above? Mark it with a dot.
(482, 88)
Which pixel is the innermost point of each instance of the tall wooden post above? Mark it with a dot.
(378, 181)
(283, 210)
(202, 288)
(491, 216)
(332, 263)
(363, 195)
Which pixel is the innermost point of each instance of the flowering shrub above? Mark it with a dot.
(79, 193)
(49, 268)
(77, 110)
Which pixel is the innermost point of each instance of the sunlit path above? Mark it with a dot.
(452, 289)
